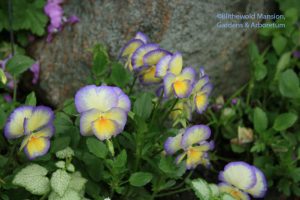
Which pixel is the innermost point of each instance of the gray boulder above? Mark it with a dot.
(188, 26)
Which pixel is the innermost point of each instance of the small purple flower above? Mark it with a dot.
(73, 19)
(296, 54)
(7, 97)
(35, 69)
(234, 101)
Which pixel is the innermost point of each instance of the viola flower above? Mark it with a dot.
(36, 124)
(253, 181)
(194, 145)
(169, 64)
(201, 91)
(103, 110)
(131, 46)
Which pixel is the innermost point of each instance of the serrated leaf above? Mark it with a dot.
(60, 164)
(97, 147)
(69, 195)
(30, 99)
(77, 182)
(139, 179)
(60, 181)
(201, 189)
(33, 178)
(65, 153)
(19, 64)
(260, 120)
(284, 121)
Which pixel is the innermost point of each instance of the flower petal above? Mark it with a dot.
(182, 88)
(89, 97)
(14, 127)
(201, 102)
(86, 120)
(118, 115)
(194, 157)
(172, 144)
(41, 116)
(141, 36)
(147, 76)
(130, 47)
(46, 132)
(234, 192)
(207, 88)
(162, 66)
(200, 83)
(234, 171)
(188, 73)
(195, 134)
(36, 146)
(168, 82)
(152, 57)
(137, 60)
(260, 188)
(123, 99)
(104, 129)
(175, 64)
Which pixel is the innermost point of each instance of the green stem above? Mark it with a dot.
(15, 89)
(169, 111)
(132, 85)
(154, 110)
(173, 192)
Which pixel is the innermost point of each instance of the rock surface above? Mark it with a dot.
(188, 26)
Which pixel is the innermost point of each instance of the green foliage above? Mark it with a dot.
(19, 64)
(59, 181)
(139, 179)
(284, 121)
(96, 147)
(30, 99)
(33, 178)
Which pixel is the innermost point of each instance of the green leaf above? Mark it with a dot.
(31, 99)
(77, 182)
(139, 179)
(260, 71)
(19, 64)
(119, 75)
(282, 63)
(289, 84)
(33, 178)
(60, 181)
(284, 121)
(201, 189)
(143, 105)
(65, 153)
(227, 197)
(60, 143)
(166, 164)
(3, 78)
(69, 195)
(121, 160)
(69, 107)
(260, 120)
(3, 161)
(100, 60)
(97, 147)
(279, 43)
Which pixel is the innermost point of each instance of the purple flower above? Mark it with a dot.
(73, 19)
(7, 97)
(35, 69)
(296, 54)
(234, 101)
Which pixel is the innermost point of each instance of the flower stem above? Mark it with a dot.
(132, 85)
(172, 192)
(169, 111)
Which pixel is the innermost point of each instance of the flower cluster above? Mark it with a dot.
(103, 110)
(240, 178)
(36, 124)
(55, 12)
(193, 142)
(154, 65)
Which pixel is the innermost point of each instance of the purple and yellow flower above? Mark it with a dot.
(180, 85)
(240, 179)
(192, 141)
(131, 46)
(201, 91)
(36, 124)
(169, 64)
(103, 110)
